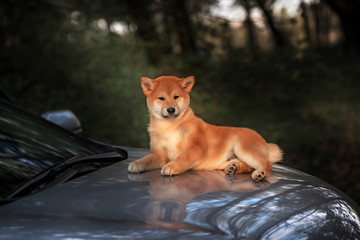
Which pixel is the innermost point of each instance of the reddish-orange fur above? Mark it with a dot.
(181, 141)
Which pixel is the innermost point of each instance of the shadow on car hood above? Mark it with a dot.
(110, 204)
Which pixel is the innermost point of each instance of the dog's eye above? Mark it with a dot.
(176, 97)
(161, 98)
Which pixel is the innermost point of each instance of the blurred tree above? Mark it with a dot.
(305, 17)
(248, 5)
(179, 26)
(349, 14)
(167, 25)
(185, 31)
(320, 24)
(315, 7)
(33, 33)
(139, 13)
(162, 25)
(266, 7)
(321, 19)
(142, 15)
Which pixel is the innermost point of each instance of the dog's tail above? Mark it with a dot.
(275, 153)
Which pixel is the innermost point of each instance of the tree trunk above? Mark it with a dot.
(277, 34)
(249, 24)
(325, 25)
(143, 19)
(167, 27)
(316, 11)
(185, 33)
(305, 17)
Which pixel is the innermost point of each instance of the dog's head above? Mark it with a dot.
(167, 96)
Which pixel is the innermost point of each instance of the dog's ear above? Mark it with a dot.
(147, 85)
(187, 83)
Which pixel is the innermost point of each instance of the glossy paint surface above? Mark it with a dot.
(112, 204)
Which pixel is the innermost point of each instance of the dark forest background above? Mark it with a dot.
(293, 77)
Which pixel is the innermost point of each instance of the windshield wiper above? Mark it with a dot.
(64, 171)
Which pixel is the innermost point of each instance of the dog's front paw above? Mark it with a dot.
(258, 175)
(170, 169)
(135, 167)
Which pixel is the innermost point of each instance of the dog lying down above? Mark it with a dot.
(180, 141)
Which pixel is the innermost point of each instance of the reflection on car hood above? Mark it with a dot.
(112, 204)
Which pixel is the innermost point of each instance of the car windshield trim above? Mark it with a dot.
(63, 165)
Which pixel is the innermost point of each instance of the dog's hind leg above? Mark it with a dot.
(255, 156)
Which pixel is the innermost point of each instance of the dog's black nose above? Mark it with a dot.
(171, 110)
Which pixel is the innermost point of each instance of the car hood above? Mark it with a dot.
(111, 203)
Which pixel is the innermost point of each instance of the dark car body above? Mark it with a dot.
(110, 203)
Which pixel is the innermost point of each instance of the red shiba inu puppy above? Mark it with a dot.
(180, 141)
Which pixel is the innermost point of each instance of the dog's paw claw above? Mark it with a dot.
(171, 169)
(231, 169)
(166, 171)
(258, 175)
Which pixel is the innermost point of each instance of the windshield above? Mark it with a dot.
(29, 145)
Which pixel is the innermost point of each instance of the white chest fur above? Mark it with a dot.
(166, 139)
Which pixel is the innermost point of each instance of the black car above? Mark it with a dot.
(58, 185)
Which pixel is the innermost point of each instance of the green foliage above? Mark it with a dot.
(114, 103)
(103, 90)
(54, 60)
